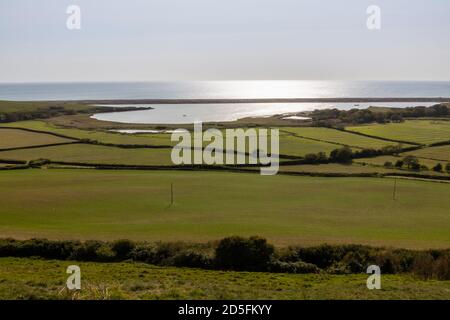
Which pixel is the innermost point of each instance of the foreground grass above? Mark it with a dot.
(41, 279)
(90, 204)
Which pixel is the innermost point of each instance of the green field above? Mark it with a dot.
(381, 160)
(339, 137)
(41, 279)
(415, 131)
(92, 154)
(354, 168)
(26, 106)
(289, 145)
(11, 138)
(87, 204)
(101, 136)
(441, 153)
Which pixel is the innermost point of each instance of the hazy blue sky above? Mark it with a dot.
(223, 39)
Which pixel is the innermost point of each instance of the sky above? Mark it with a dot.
(172, 40)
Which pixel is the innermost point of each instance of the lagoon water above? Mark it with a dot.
(190, 113)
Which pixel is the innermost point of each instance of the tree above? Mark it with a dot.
(447, 167)
(342, 155)
(399, 163)
(411, 162)
(438, 167)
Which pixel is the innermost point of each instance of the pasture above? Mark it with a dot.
(90, 204)
(92, 154)
(381, 160)
(415, 131)
(440, 153)
(339, 137)
(12, 138)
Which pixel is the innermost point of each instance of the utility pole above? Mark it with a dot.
(171, 194)
(394, 194)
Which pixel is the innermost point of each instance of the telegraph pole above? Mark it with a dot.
(394, 193)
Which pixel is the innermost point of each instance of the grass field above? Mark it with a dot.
(441, 153)
(354, 168)
(11, 138)
(25, 106)
(86, 204)
(340, 137)
(381, 160)
(92, 154)
(40, 279)
(289, 145)
(416, 131)
(101, 136)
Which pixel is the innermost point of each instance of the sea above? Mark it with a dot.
(188, 113)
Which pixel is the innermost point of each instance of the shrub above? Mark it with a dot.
(292, 267)
(122, 248)
(355, 261)
(339, 268)
(388, 262)
(249, 254)
(399, 163)
(87, 251)
(104, 253)
(143, 252)
(388, 164)
(38, 163)
(423, 265)
(441, 267)
(193, 259)
(322, 256)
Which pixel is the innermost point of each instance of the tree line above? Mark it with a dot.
(339, 118)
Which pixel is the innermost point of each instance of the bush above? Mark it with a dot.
(423, 266)
(441, 267)
(193, 259)
(339, 268)
(388, 164)
(241, 254)
(322, 256)
(122, 248)
(89, 251)
(292, 267)
(399, 163)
